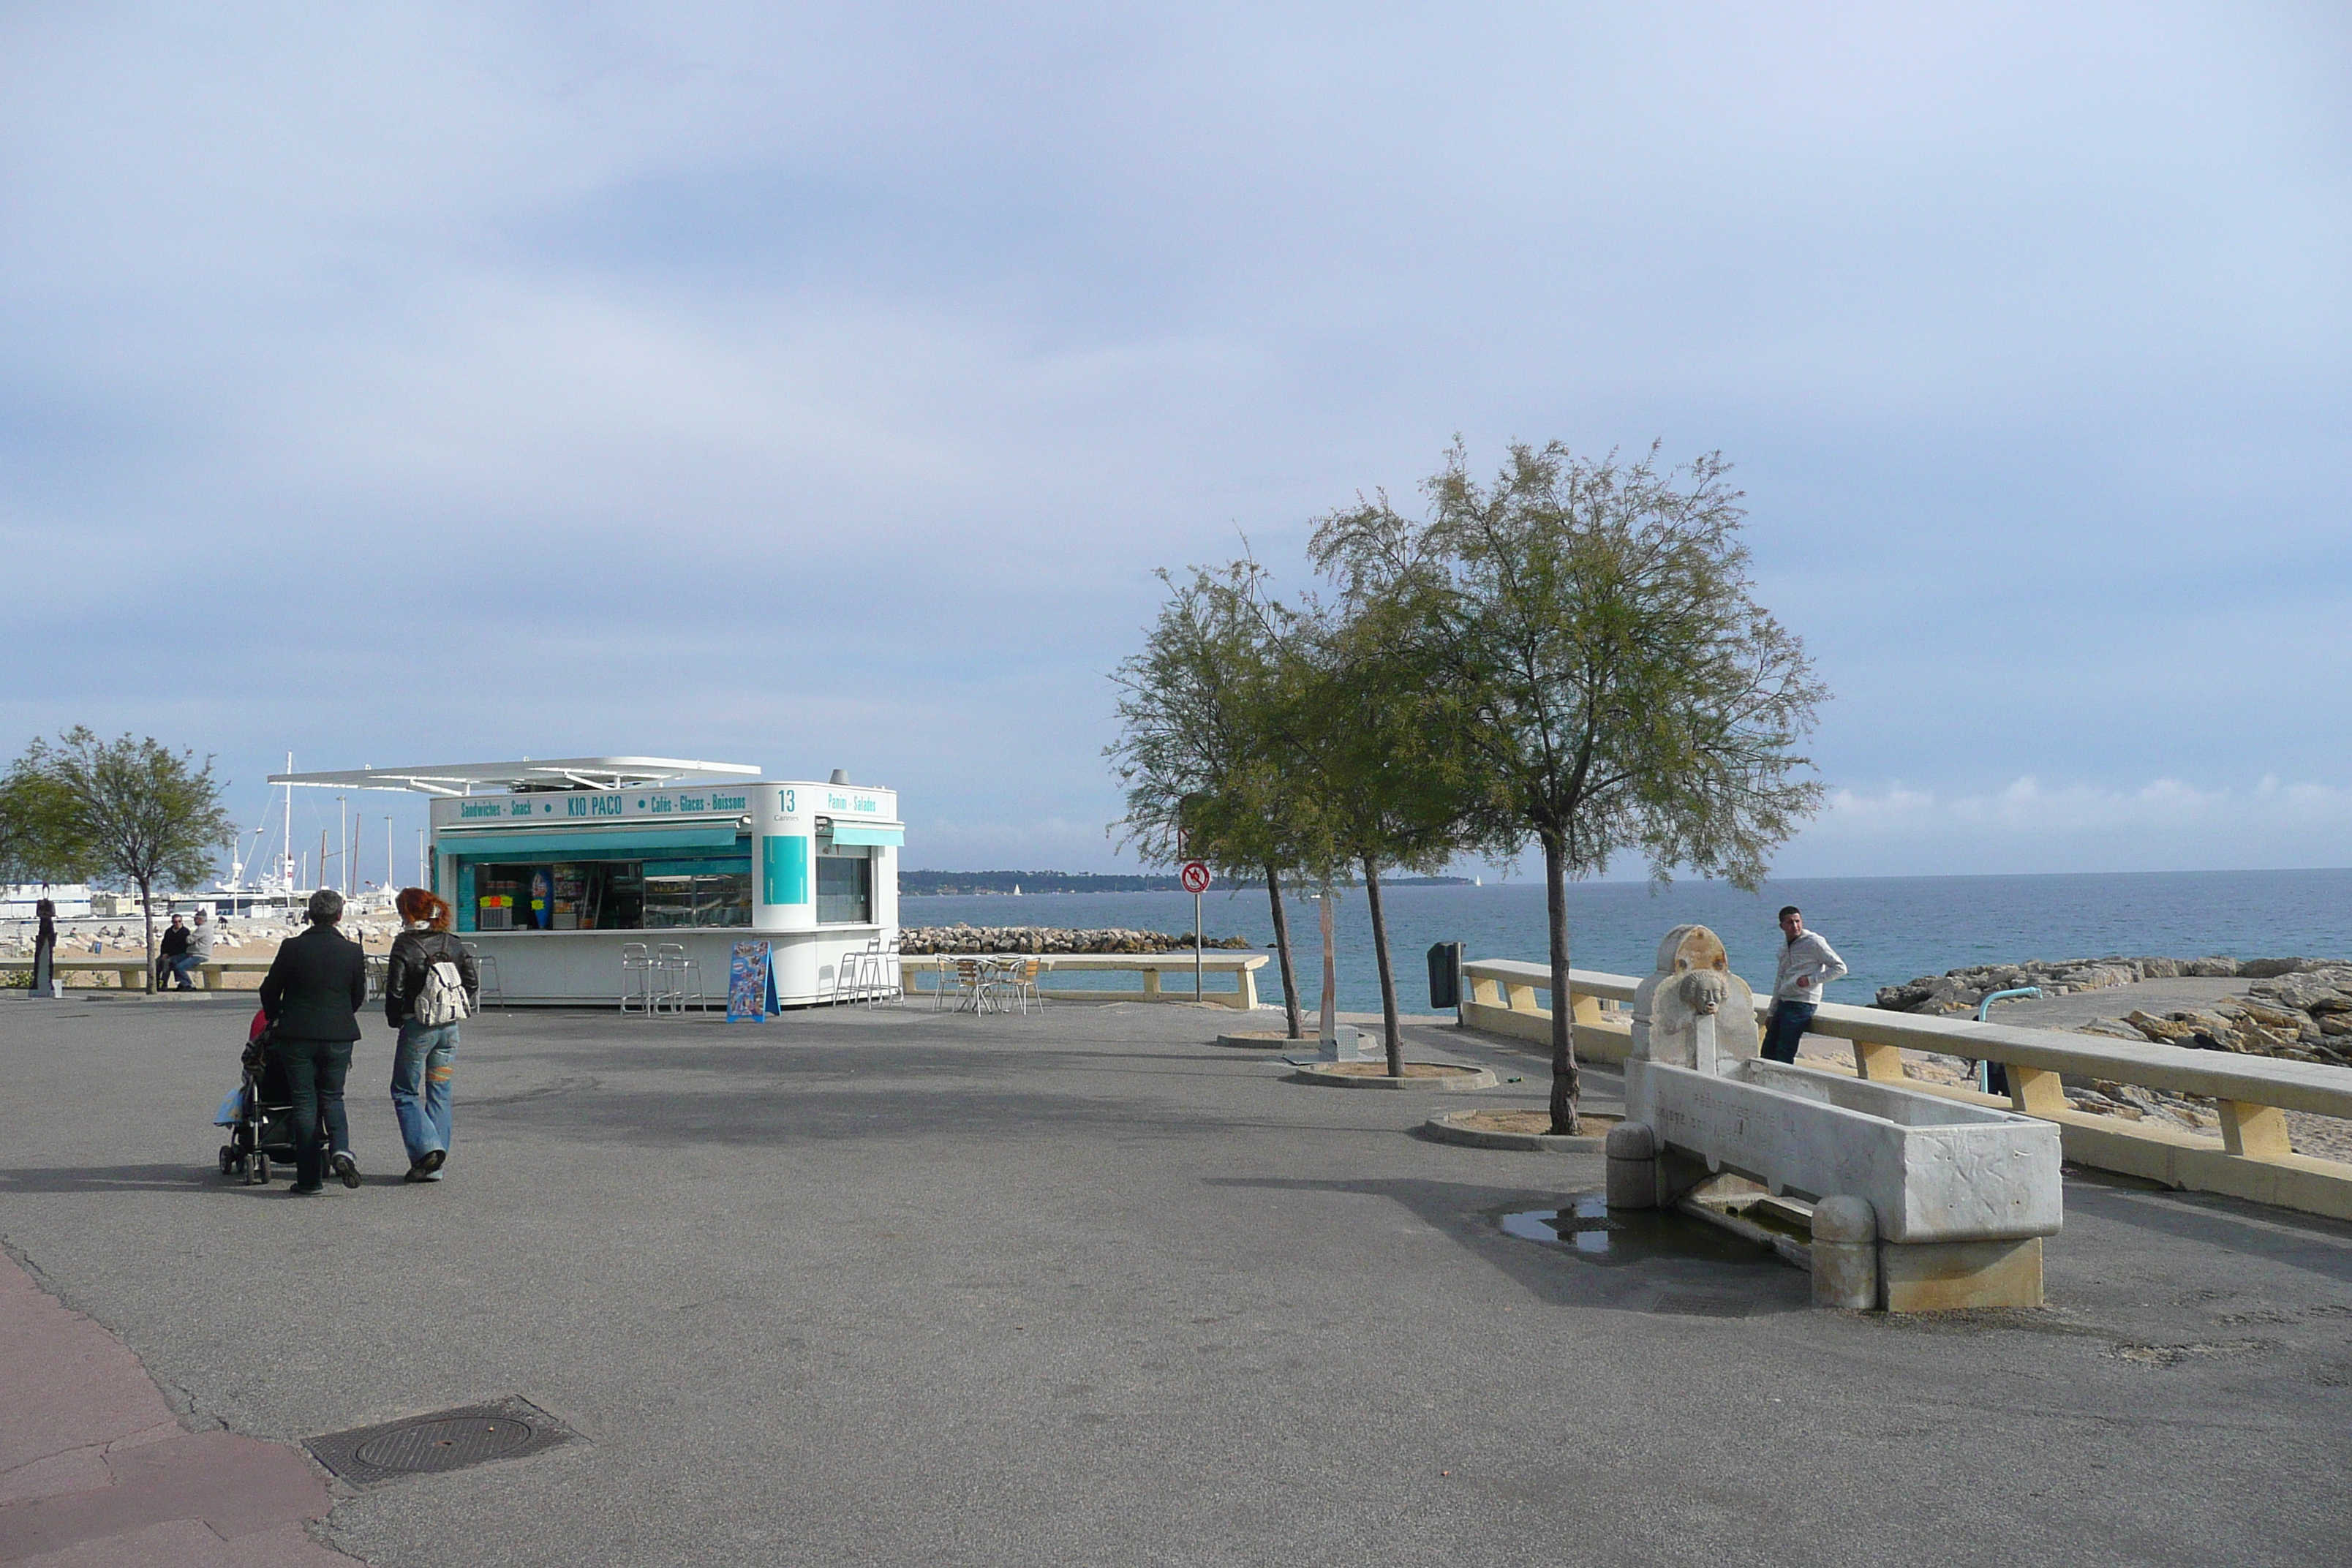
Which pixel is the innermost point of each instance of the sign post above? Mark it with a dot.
(1196, 882)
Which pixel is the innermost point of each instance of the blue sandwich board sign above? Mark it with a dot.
(751, 984)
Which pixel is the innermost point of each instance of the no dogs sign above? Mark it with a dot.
(1196, 877)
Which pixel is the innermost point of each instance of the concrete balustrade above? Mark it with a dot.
(2252, 1159)
(1229, 978)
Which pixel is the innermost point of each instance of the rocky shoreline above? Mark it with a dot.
(962, 937)
(2298, 1008)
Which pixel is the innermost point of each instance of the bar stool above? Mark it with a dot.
(674, 969)
(637, 978)
(857, 975)
(486, 969)
(889, 976)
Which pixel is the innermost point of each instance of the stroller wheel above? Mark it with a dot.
(227, 1158)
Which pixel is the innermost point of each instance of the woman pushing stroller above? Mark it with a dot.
(312, 995)
(431, 984)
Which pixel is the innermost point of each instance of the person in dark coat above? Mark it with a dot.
(45, 942)
(167, 959)
(312, 993)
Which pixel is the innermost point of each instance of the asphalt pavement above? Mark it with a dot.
(889, 1287)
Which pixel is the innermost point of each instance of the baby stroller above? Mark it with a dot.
(258, 1112)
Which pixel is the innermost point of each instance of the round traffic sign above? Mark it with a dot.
(1196, 877)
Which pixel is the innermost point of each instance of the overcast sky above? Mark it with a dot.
(819, 386)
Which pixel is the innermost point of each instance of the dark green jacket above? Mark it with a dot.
(316, 987)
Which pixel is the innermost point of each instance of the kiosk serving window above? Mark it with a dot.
(845, 889)
(697, 893)
(579, 895)
(612, 895)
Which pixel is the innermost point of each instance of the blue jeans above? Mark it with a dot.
(183, 967)
(421, 1070)
(1785, 1029)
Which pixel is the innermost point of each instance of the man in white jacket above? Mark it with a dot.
(1807, 963)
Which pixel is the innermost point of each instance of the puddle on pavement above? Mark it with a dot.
(1585, 1229)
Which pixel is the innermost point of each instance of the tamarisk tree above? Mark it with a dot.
(1192, 751)
(133, 810)
(1609, 669)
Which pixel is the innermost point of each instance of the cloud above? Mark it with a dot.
(821, 384)
(2026, 825)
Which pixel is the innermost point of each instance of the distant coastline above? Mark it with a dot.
(922, 884)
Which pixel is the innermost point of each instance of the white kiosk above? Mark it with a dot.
(553, 866)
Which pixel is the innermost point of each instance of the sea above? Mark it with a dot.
(1887, 929)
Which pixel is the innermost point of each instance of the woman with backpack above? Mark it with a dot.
(431, 984)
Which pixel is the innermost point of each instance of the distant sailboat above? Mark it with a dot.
(1016, 889)
(1477, 881)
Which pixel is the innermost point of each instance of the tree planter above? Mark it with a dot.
(1261, 1039)
(1441, 1077)
(1520, 1129)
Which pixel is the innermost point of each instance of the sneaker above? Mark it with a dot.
(346, 1167)
(304, 1189)
(433, 1160)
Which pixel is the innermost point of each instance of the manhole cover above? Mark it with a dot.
(444, 1445)
(445, 1440)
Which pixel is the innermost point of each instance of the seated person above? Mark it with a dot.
(167, 958)
(200, 950)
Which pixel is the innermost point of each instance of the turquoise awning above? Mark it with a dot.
(636, 842)
(843, 833)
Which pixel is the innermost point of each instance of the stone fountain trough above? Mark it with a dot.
(1958, 1197)
(1932, 1170)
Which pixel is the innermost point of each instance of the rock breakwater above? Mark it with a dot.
(1960, 990)
(962, 939)
(2299, 1008)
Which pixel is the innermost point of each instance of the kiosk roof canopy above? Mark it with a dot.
(551, 773)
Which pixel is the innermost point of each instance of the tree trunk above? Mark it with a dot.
(1388, 977)
(1566, 1085)
(147, 908)
(1282, 952)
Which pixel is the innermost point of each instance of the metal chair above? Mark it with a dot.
(973, 985)
(1020, 978)
(674, 969)
(485, 968)
(637, 978)
(941, 990)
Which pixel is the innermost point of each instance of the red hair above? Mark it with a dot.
(415, 904)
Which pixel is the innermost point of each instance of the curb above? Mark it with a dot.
(1446, 1129)
(1455, 1083)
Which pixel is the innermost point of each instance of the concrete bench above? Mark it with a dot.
(130, 972)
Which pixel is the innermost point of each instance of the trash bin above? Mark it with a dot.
(1445, 975)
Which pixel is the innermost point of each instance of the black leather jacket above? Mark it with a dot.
(413, 953)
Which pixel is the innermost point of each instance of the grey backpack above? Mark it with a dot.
(441, 999)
